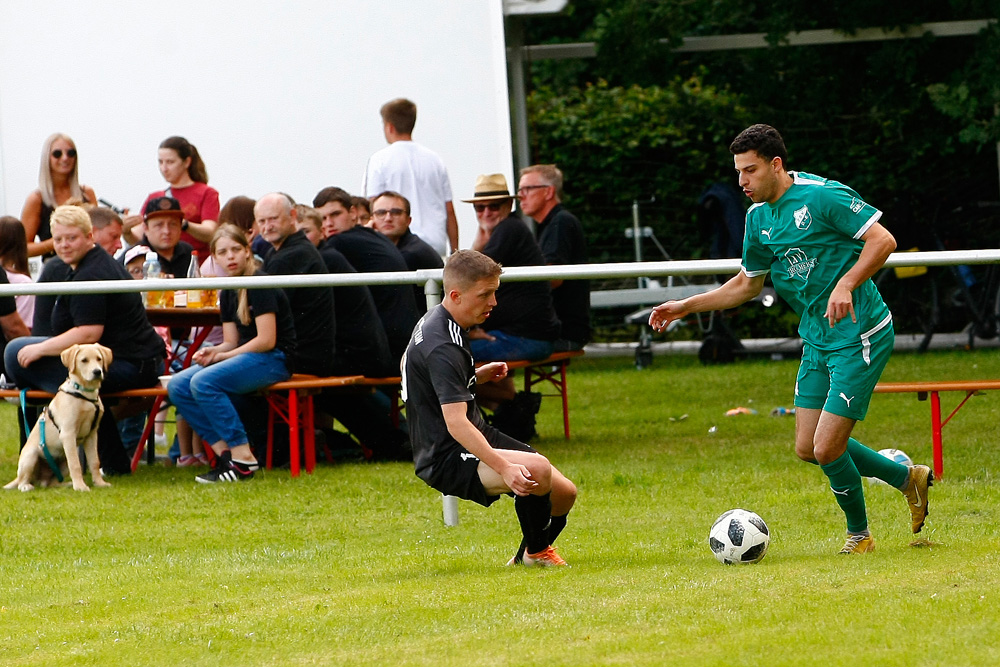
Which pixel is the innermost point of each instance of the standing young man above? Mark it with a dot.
(454, 450)
(822, 244)
(417, 173)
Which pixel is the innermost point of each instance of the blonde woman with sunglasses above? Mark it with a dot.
(58, 184)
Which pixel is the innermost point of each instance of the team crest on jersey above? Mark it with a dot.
(803, 218)
(800, 265)
(857, 204)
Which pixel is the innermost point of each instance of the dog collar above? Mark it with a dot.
(79, 387)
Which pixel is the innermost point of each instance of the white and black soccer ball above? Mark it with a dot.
(897, 455)
(739, 536)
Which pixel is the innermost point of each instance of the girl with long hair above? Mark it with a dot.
(183, 169)
(14, 259)
(258, 344)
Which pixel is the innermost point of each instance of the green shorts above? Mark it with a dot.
(841, 381)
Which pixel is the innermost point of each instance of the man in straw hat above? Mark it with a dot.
(523, 325)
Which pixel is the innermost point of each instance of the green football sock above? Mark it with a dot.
(845, 482)
(872, 464)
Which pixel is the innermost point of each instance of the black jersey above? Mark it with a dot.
(437, 370)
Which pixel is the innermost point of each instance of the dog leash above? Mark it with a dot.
(41, 443)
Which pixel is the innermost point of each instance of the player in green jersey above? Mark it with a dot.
(821, 243)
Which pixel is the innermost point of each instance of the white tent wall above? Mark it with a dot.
(275, 95)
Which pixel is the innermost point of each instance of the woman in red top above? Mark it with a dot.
(182, 167)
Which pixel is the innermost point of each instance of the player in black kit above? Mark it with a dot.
(454, 450)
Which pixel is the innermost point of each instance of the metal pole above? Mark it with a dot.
(518, 92)
(449, 504)
(637, 238)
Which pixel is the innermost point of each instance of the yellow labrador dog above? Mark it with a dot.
(70, 420)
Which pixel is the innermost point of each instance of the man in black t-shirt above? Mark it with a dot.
(391, 217)
(371, 252)
(115, 320)
(524, 324)
(163, 217)
(312, 307)
(561, 239)
(455, 451)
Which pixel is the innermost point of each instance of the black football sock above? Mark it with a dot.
(556, 525)
(533, 514)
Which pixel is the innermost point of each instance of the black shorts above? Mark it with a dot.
(457, 473)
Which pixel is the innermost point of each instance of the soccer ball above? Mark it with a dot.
(739, 536)
(897, 455)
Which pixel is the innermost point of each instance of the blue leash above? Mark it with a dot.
(41, 422)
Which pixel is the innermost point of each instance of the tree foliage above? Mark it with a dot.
(618, 144)
(872, 114)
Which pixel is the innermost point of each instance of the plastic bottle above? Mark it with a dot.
(194, 296)
(151, 271)
(782, 411)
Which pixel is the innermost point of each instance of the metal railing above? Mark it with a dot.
(432, 277)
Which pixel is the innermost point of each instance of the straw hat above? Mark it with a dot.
(490, 187)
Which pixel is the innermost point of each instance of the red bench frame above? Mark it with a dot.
(933, 389)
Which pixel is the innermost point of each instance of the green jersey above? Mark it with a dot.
(808, 240)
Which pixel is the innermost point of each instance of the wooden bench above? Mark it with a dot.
(292, 402)
(289, 401)
(933, 389)
(552, 369)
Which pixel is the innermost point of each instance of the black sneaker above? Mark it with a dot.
(227, 470)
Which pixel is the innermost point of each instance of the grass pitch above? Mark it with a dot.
(353, 565)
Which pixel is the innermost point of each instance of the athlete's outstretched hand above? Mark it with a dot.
(491, 372)
(666, 313)
(839, 306)
(518, 479)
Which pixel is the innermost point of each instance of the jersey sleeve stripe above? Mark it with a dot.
(754, 274)
(455, 332)
(865, 227)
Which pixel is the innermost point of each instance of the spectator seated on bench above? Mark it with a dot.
(523, 324)
(117, 321)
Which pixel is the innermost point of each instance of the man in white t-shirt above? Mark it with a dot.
(415, 172)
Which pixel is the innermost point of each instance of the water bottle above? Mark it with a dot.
(151, 271)
(194, 296)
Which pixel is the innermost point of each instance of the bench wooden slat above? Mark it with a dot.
(955, 385)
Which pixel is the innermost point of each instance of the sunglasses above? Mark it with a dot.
(493, 206)
(57, 153)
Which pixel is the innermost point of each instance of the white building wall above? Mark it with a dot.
(275, 95)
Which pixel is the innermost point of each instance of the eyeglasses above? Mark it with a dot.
(57, 153)
(524, 189)
(136, 271)
(383, 212)
(493, 206)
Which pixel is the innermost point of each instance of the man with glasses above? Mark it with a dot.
(560, 236)
(391, 217)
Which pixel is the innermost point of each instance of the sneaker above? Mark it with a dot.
(518, 557)
(920, 478)
(226, 470)
(200, 458)
(186, 461)
(858, 544)
(544, 558)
